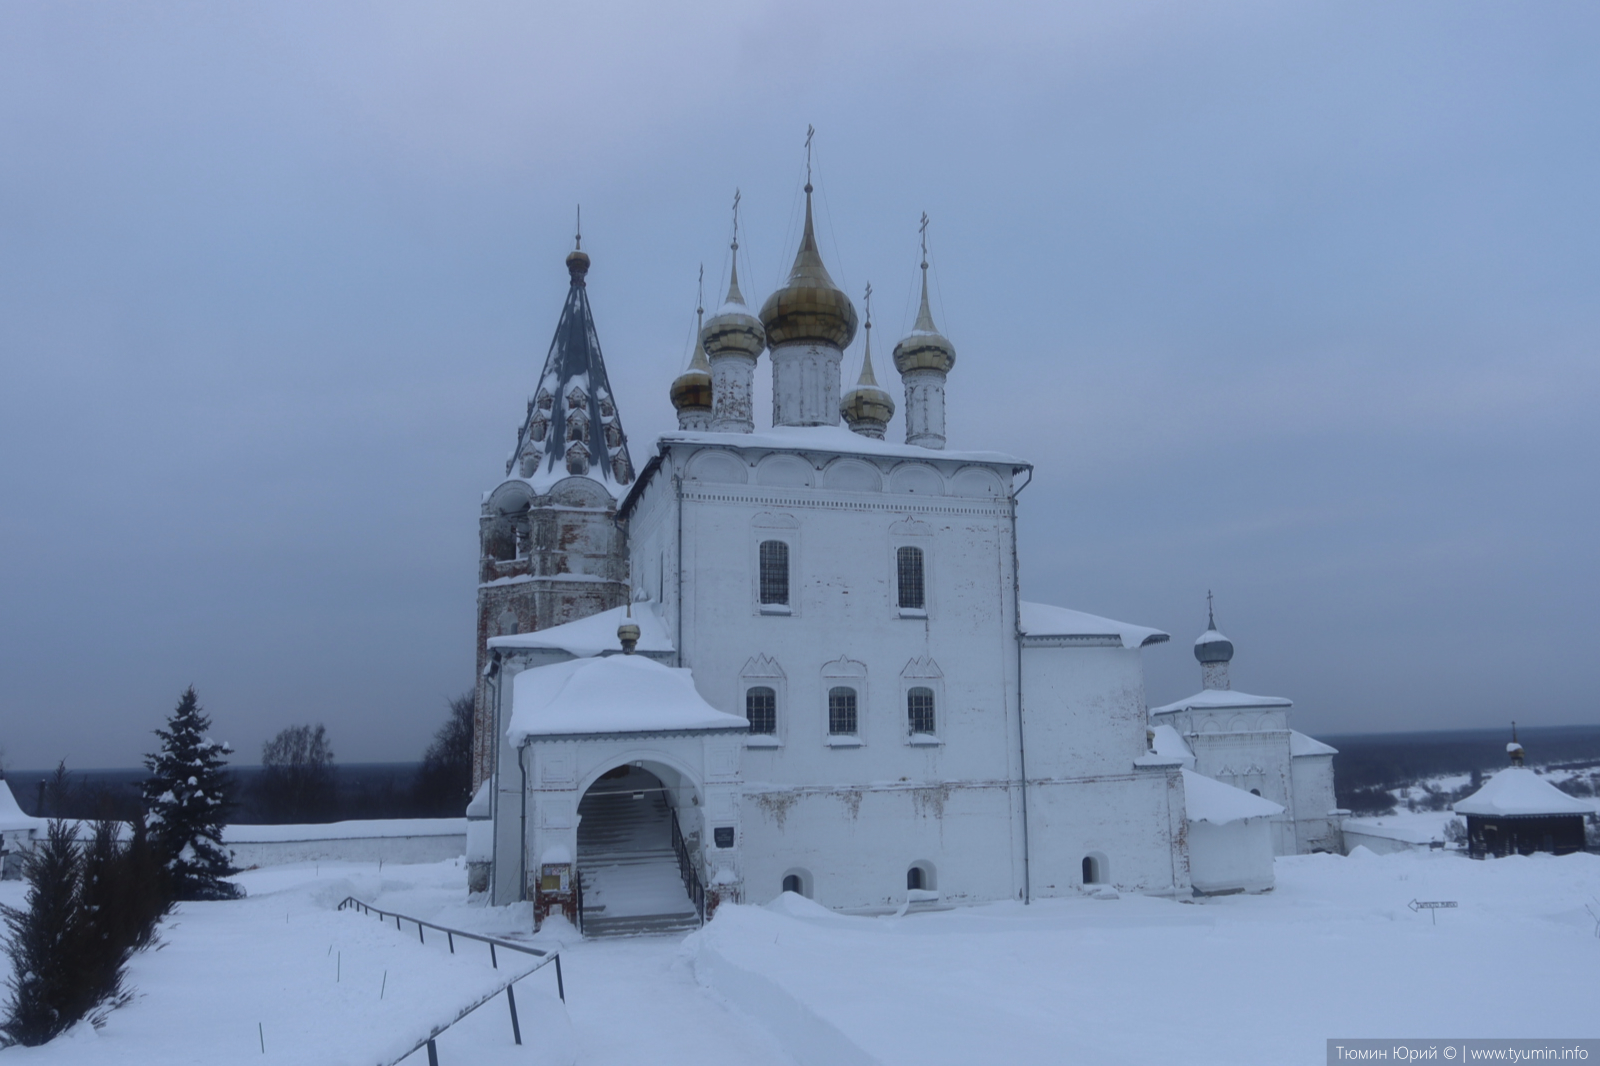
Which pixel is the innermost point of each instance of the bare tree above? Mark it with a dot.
(297, 782)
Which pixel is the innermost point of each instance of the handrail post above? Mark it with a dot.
(516, 1028)
(561, 986)
(433, 1054)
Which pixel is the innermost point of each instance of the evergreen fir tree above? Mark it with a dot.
(189, 795)
(47, 944)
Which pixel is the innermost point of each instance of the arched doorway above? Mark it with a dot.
(634, 869)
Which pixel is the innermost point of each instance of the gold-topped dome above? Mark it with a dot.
(809, 307)
(733, 329)
(866, 409)
(691, 390)
(924, 348)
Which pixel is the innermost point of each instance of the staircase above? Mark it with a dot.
(628, 870)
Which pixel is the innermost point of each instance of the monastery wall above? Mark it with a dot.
(1083, 710)
(1132, 825)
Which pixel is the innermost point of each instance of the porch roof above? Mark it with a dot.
(610, 694)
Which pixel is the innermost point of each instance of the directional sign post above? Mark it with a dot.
(1433, 907)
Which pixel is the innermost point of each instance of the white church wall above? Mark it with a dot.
(1250, 751)
(1234, 857)
(852, 848)
(1316, 827)
(1083, 709)
(1132, 825)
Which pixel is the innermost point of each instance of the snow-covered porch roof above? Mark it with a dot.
(1215, 699)
(611, 695)
(596, 634)
(1208, 800)
(1041, 620)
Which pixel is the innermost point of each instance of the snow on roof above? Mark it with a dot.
(1043, 620)
(613, 694)
(480, 806)
(1208, 800)
(1221, 698)
(833, 439)
(1210, 636)
(594, 634)
(353, 830)
(1300, 744)
(1519, 792)
(11, 817)
(1170, 743)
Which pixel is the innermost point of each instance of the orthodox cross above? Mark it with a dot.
(736, 220)
(811, 131)
(579, 235)
(868, 301)
(923, 230)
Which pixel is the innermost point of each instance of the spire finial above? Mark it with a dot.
(578, 237)
(1211, 615)
(700, 293)
(811, 131)
(867, 375)
(924, 311)
(735, 222)
(923, 231)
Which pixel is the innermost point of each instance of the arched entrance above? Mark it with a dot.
(634, 871)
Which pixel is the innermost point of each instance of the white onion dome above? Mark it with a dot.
(924, 348)
(733, 329)
(867, 403)
(1213, 647)
(691, 390)
(809, 307)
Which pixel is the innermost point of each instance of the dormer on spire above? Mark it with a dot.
(572, 426)
(867, 408)
(924, 358)
(733, 340)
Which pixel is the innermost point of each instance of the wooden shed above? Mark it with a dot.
(1517, 812)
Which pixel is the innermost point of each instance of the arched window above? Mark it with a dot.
(761, 707)
(1091, 870)
(774, 572)
(842, 711)
(919, 709)
(914, 877)
(909, 567)
(791, 883)
(1255, 792)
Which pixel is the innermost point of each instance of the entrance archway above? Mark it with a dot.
(631, 856)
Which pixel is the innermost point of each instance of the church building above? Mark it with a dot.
(794, 657)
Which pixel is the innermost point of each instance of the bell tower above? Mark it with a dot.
(550, 551)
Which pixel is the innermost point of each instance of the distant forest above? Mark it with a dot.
(361, 790)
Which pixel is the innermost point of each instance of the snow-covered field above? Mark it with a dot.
(1333, 952)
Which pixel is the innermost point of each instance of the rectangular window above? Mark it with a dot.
(761, 707)
(919, 710)
(774, 572)
(910, 573)
(842, 711)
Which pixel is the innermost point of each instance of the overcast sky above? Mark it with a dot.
(1296, 302)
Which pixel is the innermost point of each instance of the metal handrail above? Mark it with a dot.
(686, 870)
(545, 958)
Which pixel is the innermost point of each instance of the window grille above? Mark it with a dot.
(911, 589)
(919, 710)
(774, 572)
(842, 711)
(761, 707)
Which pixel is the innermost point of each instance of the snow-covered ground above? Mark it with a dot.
(1333, 952)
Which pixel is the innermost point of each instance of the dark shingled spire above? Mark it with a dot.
(573, 426)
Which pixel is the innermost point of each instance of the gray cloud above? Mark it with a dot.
(1291, 302)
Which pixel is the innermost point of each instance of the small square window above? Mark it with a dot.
(722, 836)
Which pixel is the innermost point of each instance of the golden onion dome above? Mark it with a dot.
(809, 308)
(733, 329)
(691, 390)
(867, 404)
(578, 264)
(924, 348)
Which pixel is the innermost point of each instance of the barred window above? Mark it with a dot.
(774, 572)
(761, 707)
(910, 573)
(842, 711)
(919, 710)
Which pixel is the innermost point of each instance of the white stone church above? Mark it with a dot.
(797, 658)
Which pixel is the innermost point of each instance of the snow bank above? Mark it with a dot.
(352, 830)
(614, 694)
(1043, 620)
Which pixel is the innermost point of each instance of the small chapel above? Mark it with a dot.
(796, 658)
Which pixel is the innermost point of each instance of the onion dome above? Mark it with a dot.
(691, 391)
(733, 329)
(924, 348)
(809, 308)
(867, 408)
(577, 265)
(1211, 646)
